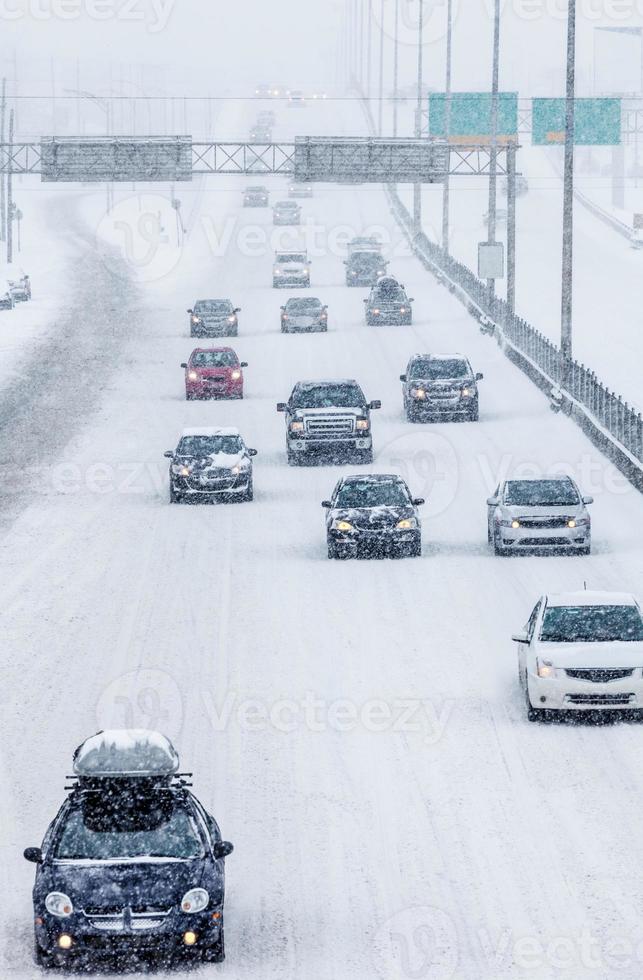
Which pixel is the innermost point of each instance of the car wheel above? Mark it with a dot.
(497, 547)
(249, 494)
(585, 551)
(332, 551)
(474, 414)
(489, 534)
(415, 551)
(175, 498)
(293, 458)
(41, 958)
(284, 329)
(216, 952)
(534, 714)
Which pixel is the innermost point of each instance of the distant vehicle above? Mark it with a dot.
(364, 243)
(534, 513)
(291, 269)
(373, 515)
(300, 190)
(296, 99)
(131, 860)
(210, 463)
(319, 95)
(7, 299)
(365, 268)
(636, 238)
(436, 385)
(214, 318)
(20, 287)
(213, 372)
(260, 134)
(286, 213)
(388, 303)
(328, 418)
(267, 117)
(256, 197)
(582, 652)
(263, 91)
(501, 217)
(303, 315)
(279, 92)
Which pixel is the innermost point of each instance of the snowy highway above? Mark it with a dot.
(357, 727)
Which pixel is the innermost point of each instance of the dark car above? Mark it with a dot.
(213, 372)
(440, 385)
(302, 314)
(21, 287)
(365, 268)
(388, 303)
(214, 318)
(210, 463)
(373, 515)
(132, 863)
(328, 419)
(256, 197)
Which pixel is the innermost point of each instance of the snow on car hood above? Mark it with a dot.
(608, 654)
(159, 882)
(219, 460)
(374, 517)
(301, 413)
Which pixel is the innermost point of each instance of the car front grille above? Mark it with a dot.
(126, 919)
(544, 522)
(330, 426)
(599, 675)
(540, 542)
(601, 700)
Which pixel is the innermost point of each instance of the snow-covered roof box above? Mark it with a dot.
(126, 753)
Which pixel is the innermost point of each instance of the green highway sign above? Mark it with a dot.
(470, 116)
(597, 122)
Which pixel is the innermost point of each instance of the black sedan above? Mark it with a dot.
(132, 863)
(373, 516)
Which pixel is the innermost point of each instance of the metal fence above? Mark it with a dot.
(578, 384)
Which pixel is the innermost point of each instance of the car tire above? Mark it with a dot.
(248, 496)
(585, 551)
(284, 329)
(474, 414)
(44, 960)
(332, 551)
(293, 457)
(534, 714)
(175, 498)
(497, 547)
(416, 550)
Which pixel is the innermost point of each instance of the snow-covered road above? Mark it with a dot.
(356, 728)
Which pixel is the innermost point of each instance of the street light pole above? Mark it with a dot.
(3, 204)
(493, 150)
(380, 109)
(447, 129)
(568, 196)
(396, 64)
(417, 188)
(369, 49)
(10, 193)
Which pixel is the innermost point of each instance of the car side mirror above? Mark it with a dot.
(222, 848)
(479, 376)
(588, 500)
(33, 854)
(169, 454)
(252, 452)
(520, 637)
(237, 309)
(411, 299)
(243, 364)
(183, 364)
(364, 301)
(375, 404)
(327, 504)
(418, 501)
(492, 501)
(282, 307)
(402, 377)
(281, 406)
(190, 311)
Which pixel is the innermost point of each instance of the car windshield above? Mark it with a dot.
(292, 257)
(215, 358)
(365, 494)
(127, 829)
(255, 190)
(366, 258)
(213, 306)
(432, 369)
(329, 396)
(287, 205)
(209, 445)
(303, 305)
(591, 624)
(540, 493)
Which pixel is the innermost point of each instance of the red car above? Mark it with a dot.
(214, 372)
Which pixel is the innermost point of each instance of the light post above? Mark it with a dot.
(380, 108)
(447, 129)
(396, 42)
(568, 197)
(417, 188)
(493, 149)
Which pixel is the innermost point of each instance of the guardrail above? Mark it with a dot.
(573, 388)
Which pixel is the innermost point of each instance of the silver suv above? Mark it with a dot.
(535, 513)
(291, 269)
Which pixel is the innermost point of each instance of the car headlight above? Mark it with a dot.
(181, 469)
(376, 311)
(579, 522)
(193, 376)
(195, 900)
(353, 273)
(59, 904)
(402, 309)
(466, 393)
(296, 426)
(407, 524)
(196, 319)
(240, 468)
(340, 525)
(232, 319)
(544, 668)
(277, 272)
(235, 375)
(362, 424)
(418, 393)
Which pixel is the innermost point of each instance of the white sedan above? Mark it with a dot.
(582, 651)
